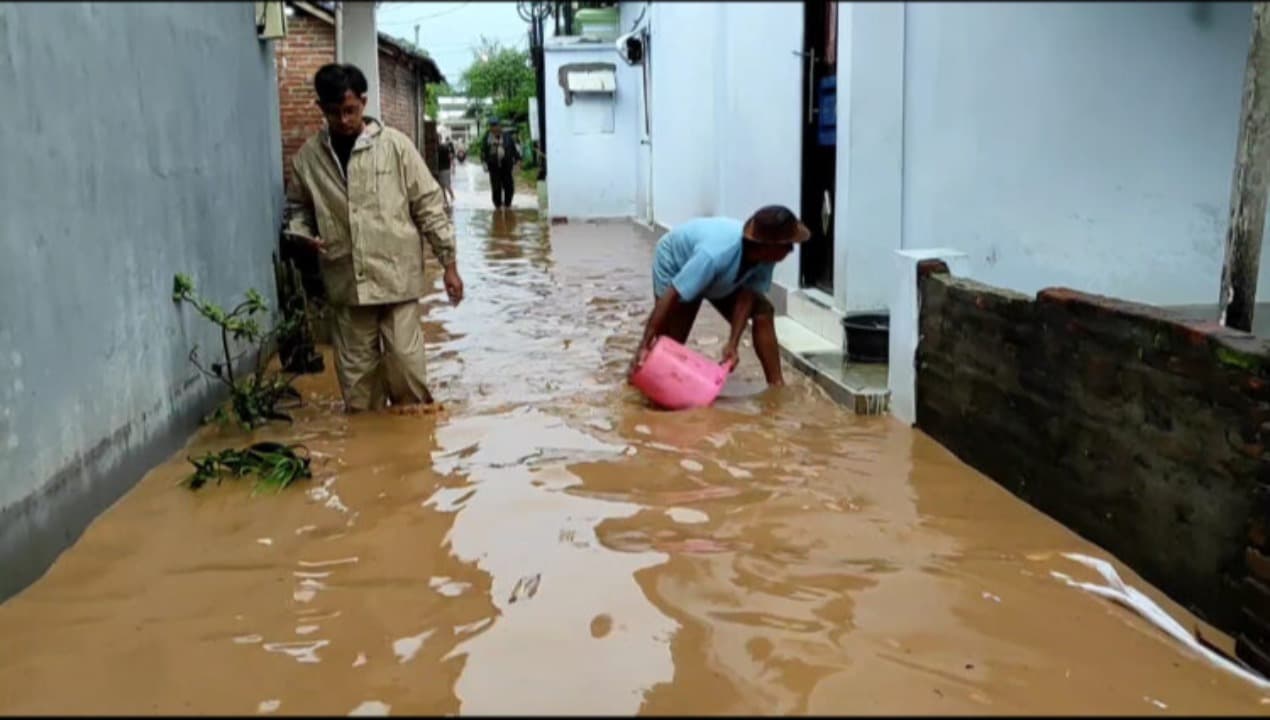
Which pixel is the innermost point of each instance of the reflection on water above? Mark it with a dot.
(549, 544)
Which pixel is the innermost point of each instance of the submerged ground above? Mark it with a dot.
(549, 544)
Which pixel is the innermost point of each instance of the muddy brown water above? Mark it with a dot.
(549, 544)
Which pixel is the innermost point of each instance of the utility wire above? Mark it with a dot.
(447, 11)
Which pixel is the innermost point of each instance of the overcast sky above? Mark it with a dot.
(449, 30)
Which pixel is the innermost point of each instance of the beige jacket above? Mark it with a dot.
(372, 221)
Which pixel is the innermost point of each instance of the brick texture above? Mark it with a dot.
(1144, 432)
(310, 44)
(397, 95)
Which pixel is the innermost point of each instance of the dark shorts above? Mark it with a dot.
(684, 314)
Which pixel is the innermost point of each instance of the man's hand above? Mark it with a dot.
(453, 284)
(641, 354)
(316, 244)
(653, 328)
(730, 357)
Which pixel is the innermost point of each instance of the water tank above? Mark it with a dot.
(597, 23)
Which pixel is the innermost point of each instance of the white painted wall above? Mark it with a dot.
(901, 377)
(1081, 144)
(870, 163)
(592, 174)
(631, 16)
(759, 104)
(360, 41)
(725, 101)
(683, 72)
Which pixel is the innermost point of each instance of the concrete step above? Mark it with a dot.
(859, 386)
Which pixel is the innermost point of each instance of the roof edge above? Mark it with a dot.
(324, 10)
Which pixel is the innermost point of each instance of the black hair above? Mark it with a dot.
(774, 219)
(334, 80)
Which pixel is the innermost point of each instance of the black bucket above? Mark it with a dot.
(868, 337)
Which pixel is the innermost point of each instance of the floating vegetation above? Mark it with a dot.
(275, 466)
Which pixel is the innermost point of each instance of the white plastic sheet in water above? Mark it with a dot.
(1118, 591)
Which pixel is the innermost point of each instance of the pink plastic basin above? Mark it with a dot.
(677, 378)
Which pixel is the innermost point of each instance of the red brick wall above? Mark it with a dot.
(397, 95)
(310, 44)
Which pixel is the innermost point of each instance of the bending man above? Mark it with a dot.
(730, 265)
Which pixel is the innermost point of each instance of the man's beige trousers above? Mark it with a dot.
(379, 348)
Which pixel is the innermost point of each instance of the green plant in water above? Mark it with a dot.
(258, 397)
(274, 465)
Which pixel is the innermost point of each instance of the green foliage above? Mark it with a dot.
(273, 464)
(503, 74)
(296, 348)
(431, 106)
(529, 176)
(255, 399)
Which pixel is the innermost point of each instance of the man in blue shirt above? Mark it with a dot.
(730, 265)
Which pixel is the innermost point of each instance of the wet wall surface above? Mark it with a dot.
(547, 543)
(143, 141)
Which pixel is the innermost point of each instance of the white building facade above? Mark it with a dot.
(1089, 145)
(453, 121)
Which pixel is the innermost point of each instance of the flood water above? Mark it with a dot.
(548, 544)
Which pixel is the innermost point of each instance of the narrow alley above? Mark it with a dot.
(547, 543)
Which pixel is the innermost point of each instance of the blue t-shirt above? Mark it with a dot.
(700, 258)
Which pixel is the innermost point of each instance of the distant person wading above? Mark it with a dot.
(500, 156)
(445, 165)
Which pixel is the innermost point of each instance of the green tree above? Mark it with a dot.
(431, 106)
(503, 74)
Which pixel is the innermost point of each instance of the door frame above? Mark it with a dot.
(816, 262)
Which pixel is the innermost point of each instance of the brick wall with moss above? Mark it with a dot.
(1142, 431)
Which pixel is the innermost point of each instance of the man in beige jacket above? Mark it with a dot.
(363, 198)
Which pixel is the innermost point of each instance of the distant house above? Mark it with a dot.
(455, 122)
(404, 73)
(1081, 144)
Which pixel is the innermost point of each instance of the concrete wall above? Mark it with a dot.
(1144, 432)
(1080, 144)
(870, 163)
(633, 15)
(142, 141)
(592, 143)
(759, 123)
(684, 70)
(725, 97)
(359, 38)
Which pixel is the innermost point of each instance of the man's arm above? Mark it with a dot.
(427, 209)
(652, 328)
(688, 284)
(301, 222)
(740, 318)
(656, 319)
